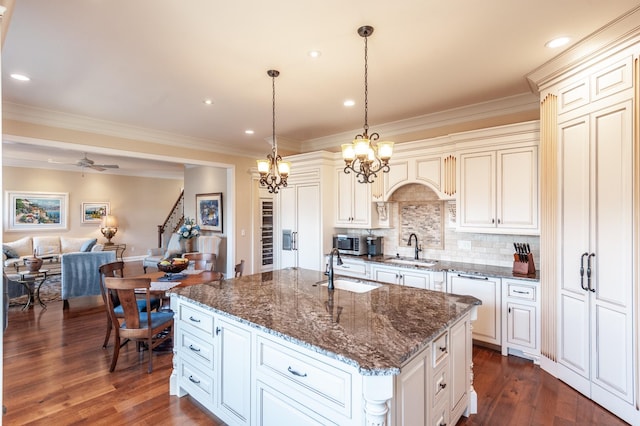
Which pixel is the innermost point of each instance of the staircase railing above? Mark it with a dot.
(174, 220)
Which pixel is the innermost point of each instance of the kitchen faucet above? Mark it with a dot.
(329, 271)
(418, 249)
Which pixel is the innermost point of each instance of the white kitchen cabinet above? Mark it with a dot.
(353, 201)
(499, 191)
(300, 225)
(521, 318)
(212, 364)
(234, 379)
(488, 327)
(596, 250)
(418, 278)
(304, 213)
(350, 267)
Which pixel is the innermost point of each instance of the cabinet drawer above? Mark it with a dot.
(440, 385)
(198, 383)
(199, 349)
(440, 349)
(348, 268)
(196, 318)
(521, 291)
(302, 375)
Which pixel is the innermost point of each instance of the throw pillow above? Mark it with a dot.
(23, 246)
(88, 245)
(9, 252)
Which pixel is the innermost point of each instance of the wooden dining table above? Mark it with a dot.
(186, 279)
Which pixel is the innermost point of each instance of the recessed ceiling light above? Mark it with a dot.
(557, 42)
(20, 77)
(208, 101)
(349, 103)
(249, 132)
(314, 53)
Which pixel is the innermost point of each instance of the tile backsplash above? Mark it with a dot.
(413, 209)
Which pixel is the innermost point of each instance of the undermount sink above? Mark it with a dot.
(413, 262)
(353, 286)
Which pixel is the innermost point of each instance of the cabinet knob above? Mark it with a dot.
(442, 348)
(218, 330)
(443, 385)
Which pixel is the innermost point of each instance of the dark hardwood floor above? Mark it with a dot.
(56, 372)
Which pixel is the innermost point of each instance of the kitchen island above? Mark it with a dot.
(280, 348)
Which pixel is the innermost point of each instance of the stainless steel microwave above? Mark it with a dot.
(350, 244)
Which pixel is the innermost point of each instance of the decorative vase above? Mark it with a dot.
(190, 245)
(33, 264)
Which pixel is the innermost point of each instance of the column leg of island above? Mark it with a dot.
(378, 392)
(174, 387)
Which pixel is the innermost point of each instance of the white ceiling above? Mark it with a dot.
(148, 64)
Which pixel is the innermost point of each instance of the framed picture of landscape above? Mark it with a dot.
(93, 212)
(37, 211)
(209, 211)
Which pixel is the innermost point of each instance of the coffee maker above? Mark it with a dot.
(374, 245)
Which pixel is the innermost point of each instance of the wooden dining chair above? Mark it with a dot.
(204, 261)
(240, 268)
(149, 328)
(116, 269)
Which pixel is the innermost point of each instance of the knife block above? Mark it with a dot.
(524, 268)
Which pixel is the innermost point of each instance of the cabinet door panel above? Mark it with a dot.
(487, 327)
(521, 325)
(518, 190)
(344, 193)
(388, 276)
(287, 222)
(415, 279)
(235, 378)
(478, 189)
(308, 237)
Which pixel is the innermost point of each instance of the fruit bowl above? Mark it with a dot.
(173, 268)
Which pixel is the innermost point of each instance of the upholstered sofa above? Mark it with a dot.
(48, 248)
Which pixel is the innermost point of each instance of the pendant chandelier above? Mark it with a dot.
(364, 156)
(273, 171)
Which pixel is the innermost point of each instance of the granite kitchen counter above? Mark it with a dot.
(460, 267)
(377, 331)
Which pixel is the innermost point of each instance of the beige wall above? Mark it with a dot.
(140, 204)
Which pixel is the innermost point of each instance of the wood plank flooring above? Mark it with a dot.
(56, 372)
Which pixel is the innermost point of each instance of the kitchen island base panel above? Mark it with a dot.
(280, 367)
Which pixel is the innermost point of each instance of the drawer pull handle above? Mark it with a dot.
(442, 348)
(191, 379)
(520, 292)
(471, 277)
(345, 266)
(296, 373)
(192, 319)
(193, 348)
(442, 385)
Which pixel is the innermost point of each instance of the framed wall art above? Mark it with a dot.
(93, 212)
(209, 211)
(36, 211)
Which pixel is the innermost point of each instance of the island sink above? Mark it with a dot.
(353, 286)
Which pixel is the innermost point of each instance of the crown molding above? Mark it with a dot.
(480, 111)
(45, 117)
(608, 40)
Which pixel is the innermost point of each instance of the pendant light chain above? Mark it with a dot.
(365, 156)
(273, 171)
(366, 87)
(273, 109)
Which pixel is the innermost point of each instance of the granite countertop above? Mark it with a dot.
(377, 331)
(460, 267)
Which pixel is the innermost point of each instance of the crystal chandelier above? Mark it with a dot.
(273, 171)
(364, 155)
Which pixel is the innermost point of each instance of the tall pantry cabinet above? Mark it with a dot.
(304, 212)
(590, 113)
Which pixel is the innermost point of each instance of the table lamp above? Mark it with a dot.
(109, 227)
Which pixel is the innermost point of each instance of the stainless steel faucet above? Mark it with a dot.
(418, 249)
(329, 271)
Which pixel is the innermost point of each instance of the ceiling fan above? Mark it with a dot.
(88, 163)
